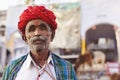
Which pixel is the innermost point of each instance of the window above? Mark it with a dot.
(2, 30)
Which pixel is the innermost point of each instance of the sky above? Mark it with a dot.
(4, 4)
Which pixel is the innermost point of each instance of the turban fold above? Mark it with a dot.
(36, 12)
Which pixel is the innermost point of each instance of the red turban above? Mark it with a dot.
(36, 12)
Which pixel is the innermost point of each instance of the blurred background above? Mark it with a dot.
(88, 35)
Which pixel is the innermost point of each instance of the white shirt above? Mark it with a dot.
(29, 70)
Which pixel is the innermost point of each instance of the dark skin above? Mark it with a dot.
(38, 36)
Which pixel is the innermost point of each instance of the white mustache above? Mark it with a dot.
(39, 38)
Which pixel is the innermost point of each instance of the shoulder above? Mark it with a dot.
(13, 66)
(59, 60)
(16, 61)
(64, 67)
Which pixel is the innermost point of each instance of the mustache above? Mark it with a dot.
(38, 38)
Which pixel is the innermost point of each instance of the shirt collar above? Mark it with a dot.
(30, 62)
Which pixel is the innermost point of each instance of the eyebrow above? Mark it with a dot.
(45, 25)
(42, 24)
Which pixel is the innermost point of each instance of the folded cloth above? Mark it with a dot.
(36, 12)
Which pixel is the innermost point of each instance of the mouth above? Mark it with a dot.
(38, 41)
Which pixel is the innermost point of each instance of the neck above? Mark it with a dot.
(40, 58)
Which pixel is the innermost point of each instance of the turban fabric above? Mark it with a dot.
(36, 12)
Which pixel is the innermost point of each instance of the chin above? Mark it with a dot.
(39, 48)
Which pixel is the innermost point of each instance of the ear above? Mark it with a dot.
(24, 38)
(53, 34)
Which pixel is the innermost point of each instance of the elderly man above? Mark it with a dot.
(37, 26)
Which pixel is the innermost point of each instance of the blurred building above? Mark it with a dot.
(3, 17)
(2, 40)
(2, 25)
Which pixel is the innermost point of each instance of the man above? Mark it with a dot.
(37, 26)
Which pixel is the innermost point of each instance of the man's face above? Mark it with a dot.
(38, 35)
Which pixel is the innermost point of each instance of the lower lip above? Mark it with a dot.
(38, 42)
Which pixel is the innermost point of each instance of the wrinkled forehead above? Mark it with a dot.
(38, 23)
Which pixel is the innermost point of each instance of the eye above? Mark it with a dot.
(43, 26)
(31, 28)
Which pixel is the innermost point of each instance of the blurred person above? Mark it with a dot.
(37, 25)
(115, 76)
(84, 62)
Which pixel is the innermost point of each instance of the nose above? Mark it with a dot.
(38, 32)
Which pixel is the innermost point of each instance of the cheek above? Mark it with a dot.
(28, 38)
(49, 36)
